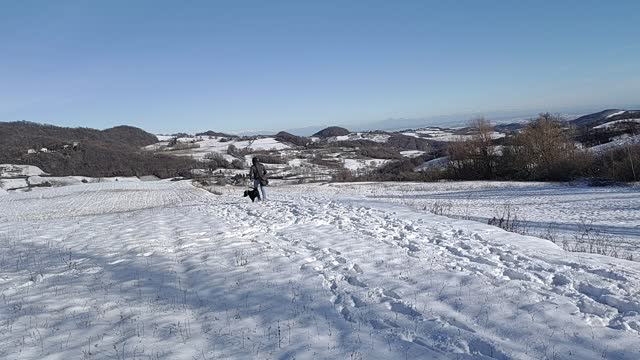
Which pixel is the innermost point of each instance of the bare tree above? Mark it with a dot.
(544, 150)
(474, 157)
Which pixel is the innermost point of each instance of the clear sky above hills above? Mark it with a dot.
(230, 65)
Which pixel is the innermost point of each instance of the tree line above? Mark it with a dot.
(547, 148)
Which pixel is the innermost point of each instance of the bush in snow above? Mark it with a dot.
(237, 164)
(216, 161)
(476, 157)
(545, 151)
(621, 164)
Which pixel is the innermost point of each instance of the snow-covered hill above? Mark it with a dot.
(444, 134)
(338, 153)
(616, 143)
(16, 171)
(165, 270)
(203, 145)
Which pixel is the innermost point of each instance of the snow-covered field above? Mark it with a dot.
(26, 183)
(412, 153)
(445, 134)
(614, 123)
(206, 145)
(379, 138)
(156, 270)
(360, 164)
(565, 212)
(621, 141)
(11, 170)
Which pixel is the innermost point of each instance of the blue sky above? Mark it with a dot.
(231, 65)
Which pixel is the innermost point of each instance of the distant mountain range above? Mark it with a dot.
(605, 116)
(451, 121)
(304, 131)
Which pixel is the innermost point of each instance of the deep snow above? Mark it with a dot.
(564, 211)
(166, 270)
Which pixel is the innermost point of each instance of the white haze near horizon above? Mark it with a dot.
(397, 124)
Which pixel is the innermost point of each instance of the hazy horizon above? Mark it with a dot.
(445, 120)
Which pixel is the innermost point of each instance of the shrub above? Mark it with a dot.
(405, 142)
(237, 164)
(344, 175)
(216, 161)
(330, 163)
(544, 151)
(476, 157)
(232, 149)
(506, 218)
(270, 159)
(622, 164)
(379, 152)
(185, 146)
(214, 156)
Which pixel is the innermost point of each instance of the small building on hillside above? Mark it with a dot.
(32, 151)
(44, 150)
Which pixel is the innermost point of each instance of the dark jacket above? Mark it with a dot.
(258, 172)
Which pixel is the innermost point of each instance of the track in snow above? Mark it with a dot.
(161, 270)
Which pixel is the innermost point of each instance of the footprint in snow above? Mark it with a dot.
(340, 260)
(411, 246)
(391, 294)
(354, 281)
(516, 275)
(311, 247)
(608, 274)
(357, 302)
(402, 308)
(561, 280)
(381, 324)
(384, 295)
(356, 268)
(346, 313)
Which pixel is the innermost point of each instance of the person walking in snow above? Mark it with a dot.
(258, 174)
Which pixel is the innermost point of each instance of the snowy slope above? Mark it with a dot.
(11, 170)
(618, 142)
(220, 145)
(563, 211)
(375, 137)
(164, 270)
(13, 184)
(412, 153)
(433, 164)
(614, 123)
(360, 164)
(614, 114)
(445, 134)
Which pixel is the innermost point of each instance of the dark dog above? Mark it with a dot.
(253, 194)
